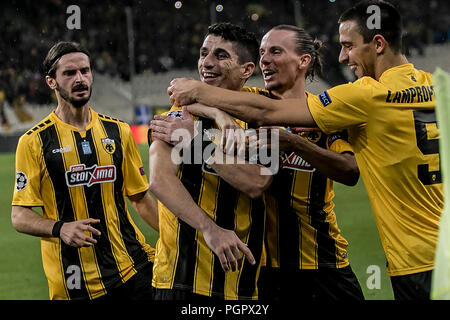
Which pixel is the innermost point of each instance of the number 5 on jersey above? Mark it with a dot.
(427, 137)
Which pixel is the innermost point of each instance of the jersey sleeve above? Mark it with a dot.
(27, 190)
(341, 107)
(135, 179)
(338, 142)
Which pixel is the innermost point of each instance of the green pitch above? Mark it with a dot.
(22, 276)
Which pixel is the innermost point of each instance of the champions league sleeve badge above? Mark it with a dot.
(21, 180)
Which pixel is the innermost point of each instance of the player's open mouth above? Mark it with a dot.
(210, 78)
(209, 75)
(268, 74)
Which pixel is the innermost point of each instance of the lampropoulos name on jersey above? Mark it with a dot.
(410, 95)
(79, 175)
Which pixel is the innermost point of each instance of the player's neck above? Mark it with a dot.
(79, 117)
(388, 61)
(294, 91)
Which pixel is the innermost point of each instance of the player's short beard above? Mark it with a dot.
(77, 103)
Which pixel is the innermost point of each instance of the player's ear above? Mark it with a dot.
(51, 82)
(380, 43)
(304, 60)
(247, 70)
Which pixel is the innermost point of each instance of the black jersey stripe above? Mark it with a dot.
(134, 248)
(289, 236)
(103, 251)
(247, 281)
(191, 176)
(56, 170)
(227, 198)
(326, 245)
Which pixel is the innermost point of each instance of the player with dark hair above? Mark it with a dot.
(78, 166)
(208, 208)
(243, 42)
(390, 117)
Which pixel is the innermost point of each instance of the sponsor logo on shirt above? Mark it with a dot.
(295, 162)
(62, 150)
(325, 98)
(79, 175)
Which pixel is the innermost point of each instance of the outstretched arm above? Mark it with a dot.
(251, 108)
(163, 176)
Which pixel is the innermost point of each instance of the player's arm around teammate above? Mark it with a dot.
(340, 167)
(163, 177)
(246, 177)
(258, 109)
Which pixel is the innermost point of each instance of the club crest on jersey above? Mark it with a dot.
(79, 175)
(294, 162)
(109, 145)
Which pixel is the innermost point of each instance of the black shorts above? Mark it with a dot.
(138, 287)
(416, 286)
(325, 284)
(184, 295)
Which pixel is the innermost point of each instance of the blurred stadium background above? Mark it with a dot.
(137, 47)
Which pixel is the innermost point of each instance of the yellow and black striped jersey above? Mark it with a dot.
(77, 175)
(184, 261)
(301, 226)
(392, 129)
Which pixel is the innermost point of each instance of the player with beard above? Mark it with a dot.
(78, 166)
